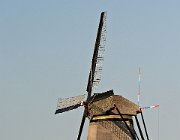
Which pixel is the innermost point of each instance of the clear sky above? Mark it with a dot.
(45, 53)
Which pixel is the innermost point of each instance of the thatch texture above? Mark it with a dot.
(103, 102)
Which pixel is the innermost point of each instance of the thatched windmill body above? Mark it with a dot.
(110, 115)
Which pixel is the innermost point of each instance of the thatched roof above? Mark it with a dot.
(101, 103)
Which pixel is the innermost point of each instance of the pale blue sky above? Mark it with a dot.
(45, 53)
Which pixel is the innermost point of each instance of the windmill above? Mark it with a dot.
(110, 115)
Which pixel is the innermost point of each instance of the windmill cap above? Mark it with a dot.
(103, 102)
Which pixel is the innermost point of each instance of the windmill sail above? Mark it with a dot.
(96, 65)
(96, 68)
(69, 103)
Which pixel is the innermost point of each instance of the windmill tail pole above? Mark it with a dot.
(140, 131)
(132, 134)
(144, 124)
(135, 134)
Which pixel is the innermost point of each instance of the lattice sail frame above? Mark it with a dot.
(100, 56)
(71, 103)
